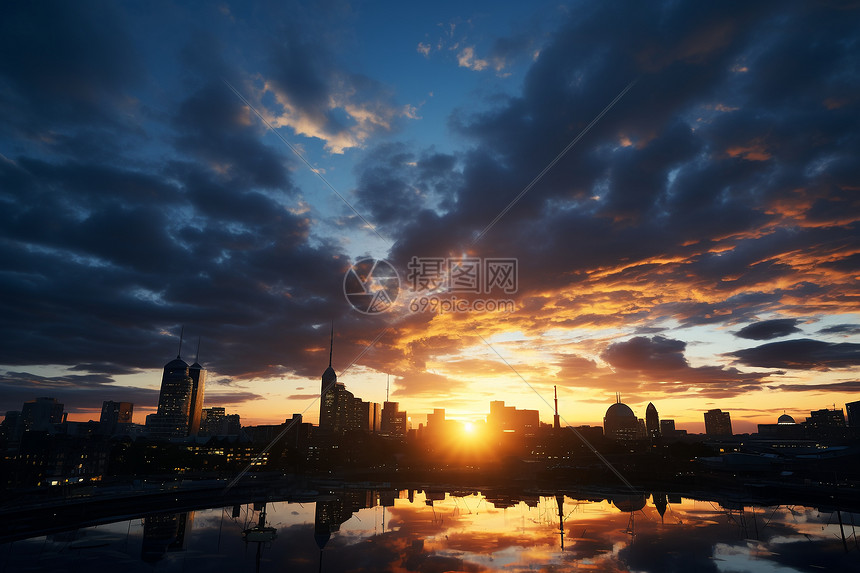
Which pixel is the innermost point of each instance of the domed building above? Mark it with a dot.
(786, 428)
(620, 423)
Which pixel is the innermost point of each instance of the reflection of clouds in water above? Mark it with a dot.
(470, 534)
(745, 558)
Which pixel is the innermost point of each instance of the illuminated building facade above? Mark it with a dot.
(393, 420)
(171, 420)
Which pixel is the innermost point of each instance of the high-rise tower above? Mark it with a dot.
(328, 392)
(198, 385)
(652, 421)
(174, 400)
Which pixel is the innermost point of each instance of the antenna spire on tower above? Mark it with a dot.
(197, 358)
(387, 384)
(181, 334)
(331, 344)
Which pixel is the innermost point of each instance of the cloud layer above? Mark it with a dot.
(138, 193)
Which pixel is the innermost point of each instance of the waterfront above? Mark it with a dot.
(433, 530)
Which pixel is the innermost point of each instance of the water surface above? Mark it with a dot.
(398, 531)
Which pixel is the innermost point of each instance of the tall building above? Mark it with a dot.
(41, 414)
(375, 417)
(393, 420)
(338, 409)
(652, 421)
(113, 414)
(718, 423)
(368, 416)
(198, 385)
(171, 420)
(333, 406)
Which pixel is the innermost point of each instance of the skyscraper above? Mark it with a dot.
(171, 420)
(652, 421)
(718, 423)
(328, 393)
(338, 406)
(198, 384)
(393, 420)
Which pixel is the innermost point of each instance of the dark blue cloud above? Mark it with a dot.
(800, 354)
(768, 329)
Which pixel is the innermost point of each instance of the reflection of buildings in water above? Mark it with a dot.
(630, 503)
(738, 514)
(559, 501)
(331, 513)
(328, 517)
(660, 502)
(164, 532)
(387, 497)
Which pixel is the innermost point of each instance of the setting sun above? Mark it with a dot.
(469, 428)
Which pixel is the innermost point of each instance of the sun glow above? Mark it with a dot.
(469, 428)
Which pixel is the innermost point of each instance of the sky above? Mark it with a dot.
(676, 184)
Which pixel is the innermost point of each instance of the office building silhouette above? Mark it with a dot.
(180, 400)
(718, 423)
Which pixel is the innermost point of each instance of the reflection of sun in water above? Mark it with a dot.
(469, 427)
